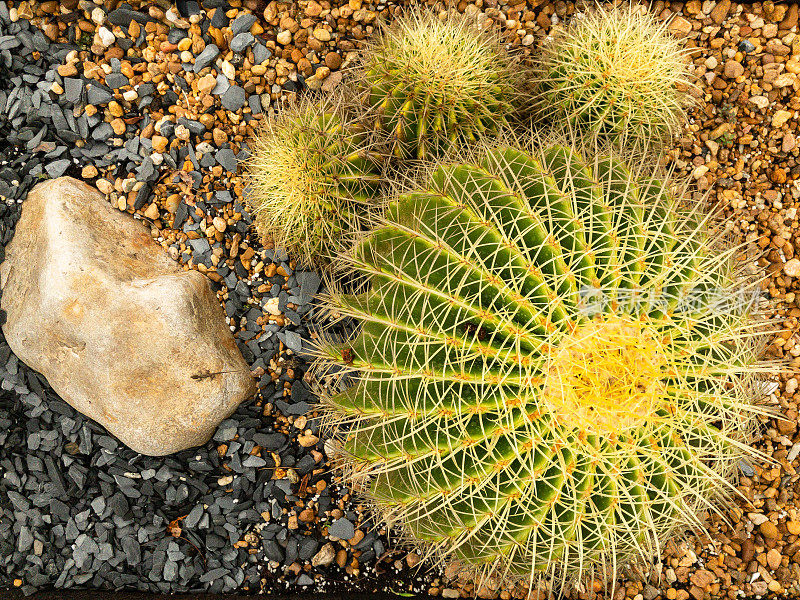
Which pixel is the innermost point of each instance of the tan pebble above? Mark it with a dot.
(304, 66)
(313, 9)
(67, 70)
(680, 26)
(793, 527)
(56, 89)
(185, 44)
(325, 556)
(307, 440)
(775, 586)
(322, 73)
(226, 480)
(105, 186)
(172, 202)
(159, 143)
(768, 528)
(780, 117)
(271, 306)
(733, 69)
(182, 133)
(774, 559)
(292, 522)
(341, 558)
(115, 108)
(357, 537)
(130, 95)
(206, 83)
(323, 35)
(777, 176)
(792, 267)
(152, 212)
(412, 559)
(333, 60)
(788, 143)
(118, 125)
(228, 70)
(89, 171)
(284, 38)
(306, 515)
(220, 137)
(258, 70)
(219, 224)
(720, 11)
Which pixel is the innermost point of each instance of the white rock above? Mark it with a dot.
(792, 267)
(106, 37)
(761, 102)
(120, 331)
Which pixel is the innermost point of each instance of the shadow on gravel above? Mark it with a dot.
(109, 595)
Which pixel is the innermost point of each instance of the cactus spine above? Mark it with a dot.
(435, 83)
(534, 394)
(312, 179)
(618, 73)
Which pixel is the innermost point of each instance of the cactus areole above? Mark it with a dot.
(553, 370)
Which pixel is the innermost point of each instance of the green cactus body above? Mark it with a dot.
(511, 420)
(312, 179)
(434, 84)
(618, 73)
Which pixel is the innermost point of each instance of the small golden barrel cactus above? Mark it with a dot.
(434, 83)
(618, 73)
(312, 180)
(554, 367)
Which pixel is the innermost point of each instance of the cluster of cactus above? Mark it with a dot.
(312, 179)
(548, 375)
(433, 83)
(534, 392)
(617, 73)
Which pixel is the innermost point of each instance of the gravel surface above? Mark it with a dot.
(153, 104)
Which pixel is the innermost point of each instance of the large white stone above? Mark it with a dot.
(120, 331)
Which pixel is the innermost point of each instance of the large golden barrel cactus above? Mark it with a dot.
(554, 367)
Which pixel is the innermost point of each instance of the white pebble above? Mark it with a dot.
(106, 37)
(228, 70)
(98, 16)
(792, 267)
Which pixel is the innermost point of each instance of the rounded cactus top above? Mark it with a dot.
(554, 367)
(617, 72)
(311, 179)
(434, 81)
